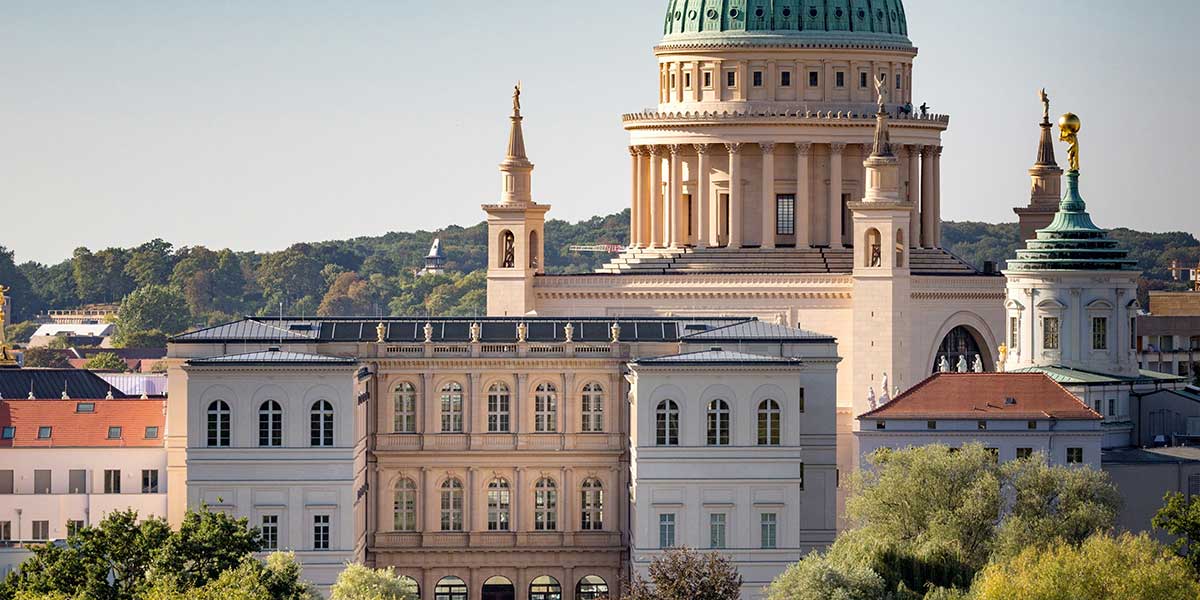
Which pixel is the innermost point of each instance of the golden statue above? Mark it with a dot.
(1003, 358)
(1069, 127)
(517, 99)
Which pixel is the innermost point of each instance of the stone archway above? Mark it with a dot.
(499, 588)
(963, 333)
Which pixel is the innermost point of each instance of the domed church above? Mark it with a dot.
(743, 183)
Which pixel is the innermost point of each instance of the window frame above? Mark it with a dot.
(321, 424)
(1074, 456)
(150, 481)
(666, 530)
(219, 424)
(592, 408)
(785, 214)
(270, 424)
(112, 481)
(591, 505)
(718, 526)
(404, 407)
(545, 408)
(768, 530)
(451, 398)
(1052, 335)
(545, 505)
(666, 424)
(322, 539)
(770, 422)
(719, 420)
(499, 505)
(756, 79)
(404, 505)
(499, 408)
(451, 495)
(1100, 334)
(269, 532)
(785, 79)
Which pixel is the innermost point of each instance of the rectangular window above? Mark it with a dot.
(862, 79)
(1099, 333)
(880, 424)
(44, 433)
(758, 78)
(687, 81)
(114, 433)
(85, 407)
(8, 433)
(6, 481)
(1050, 333)
(840, 79)
(801, 400)
(320, 532)
(270, 532)
(716, 530)
(149, 481)
(785, 79)
(5, 531)
(785, 214)
(1133, 333)
(1031, 425)
(1014, 334)
(672, 81)
(74, 526)
(77, 481)
(112, 481)
(731, 79)
(152, 433)
(1023, 453)
(1112, 407)
(1074, 456)
(41, 481)
(768, 530)
(814, 78)
(931, 425)
(899, 81)
(41, 531)
(802, 475)
(708, 80)
(982, 425)
(666, 530)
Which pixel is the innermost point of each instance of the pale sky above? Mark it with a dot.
(253, 124)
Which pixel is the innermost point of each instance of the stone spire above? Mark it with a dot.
(1047, 180)
(516, 168)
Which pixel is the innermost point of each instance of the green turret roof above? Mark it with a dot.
(787, 22)
(1072, 242)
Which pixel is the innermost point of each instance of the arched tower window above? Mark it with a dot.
(960, 344)
(533, 250)
(666, 424)
(873, 249)
(900, 248)
(508, 250)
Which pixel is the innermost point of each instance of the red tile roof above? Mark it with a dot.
(74, 429)
(985, 396)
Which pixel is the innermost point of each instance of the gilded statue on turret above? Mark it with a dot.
(517, 98)
(1069, 127)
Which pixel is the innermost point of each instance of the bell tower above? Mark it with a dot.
(515, 230)
(882, 222)
(1047, 181)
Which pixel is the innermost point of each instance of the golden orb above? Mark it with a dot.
(1069, 123)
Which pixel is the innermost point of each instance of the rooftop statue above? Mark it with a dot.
(881, 91)
(1045, 98)
(517, 98)
(1069, 127)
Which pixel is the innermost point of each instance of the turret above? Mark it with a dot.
(1047, 180)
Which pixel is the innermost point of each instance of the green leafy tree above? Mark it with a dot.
(290, 276)
(357, 582)
(60, 342)
(106, 361)
(278, 578)
(1181, 518)
(1102, 568)
(45, 358)
(19, 333)
(150, 264)
(53, 287)
(24, 302)
(154, 307)
(206, 544)
(684, 574)
(152, 338)
(818, 577)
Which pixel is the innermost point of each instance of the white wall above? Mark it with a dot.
(1051, 438)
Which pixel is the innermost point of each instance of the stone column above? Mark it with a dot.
(469, 522)
(518, 415)
(803, 196)
(426, 502)
(704, 230)
(427, 409)
(768, 195)
(471, 405)
(517, 501)
(644, 199)
(635, 207)
(772, 80)
(927, 212)
(565, 513)
(914, 194)
(675, 189)
(937, 197)
(835, 194)
(735, 195)
(656, 197)
(719, 84)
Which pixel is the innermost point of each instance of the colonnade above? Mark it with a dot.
(713, 214)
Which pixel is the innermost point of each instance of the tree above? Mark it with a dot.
(152, 338)
(1181, 518)
(684, 574)
(45, 358)
(154, 307)
(290, 276)
(207, 544)
(357, 582)
(278, 578)
(19, 333)
(24, 303)
(150, 264)
(818, 578)
(1103, 567)
(106, 361)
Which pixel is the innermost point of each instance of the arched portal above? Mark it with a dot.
(591, 587)
(499, 588)
(545, 588)
(450, 588)
(961, 342)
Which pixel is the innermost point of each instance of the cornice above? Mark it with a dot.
(652, 119)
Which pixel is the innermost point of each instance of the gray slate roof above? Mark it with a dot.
(48, 384)
(757, 331)
(716, 356)
(250, 329)
(274, 357)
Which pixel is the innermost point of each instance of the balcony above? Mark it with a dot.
(389, 540)
(498, 442)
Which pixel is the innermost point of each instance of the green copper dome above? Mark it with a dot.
(788, 22)
(1072, 242)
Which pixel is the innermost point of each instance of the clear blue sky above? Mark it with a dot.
(254, 124)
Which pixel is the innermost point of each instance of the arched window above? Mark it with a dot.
(718, 423)
(900, 248)
(322, 423)
(666, 423)
(508, 250)
(410, 583)
(404, 407)
(545, 505)
(873, 247)
(545, 408)
(404, 506)
(533, 250)
(592, 505)
(452, 408)
(499, 399)
(218, 424)
(960, 343)
(498, 587)
(591, 587)
(499, 501)
(270, 424)
(452, 505)
(593, 408)
(450, 588)
(545, 588)
(768, 423)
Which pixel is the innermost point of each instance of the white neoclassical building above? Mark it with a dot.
(734, 452)
(270, 436)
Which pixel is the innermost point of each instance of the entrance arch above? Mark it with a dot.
(499, 588)
(450, 588)
(592, 587)
(545, 588)
(961, 342)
